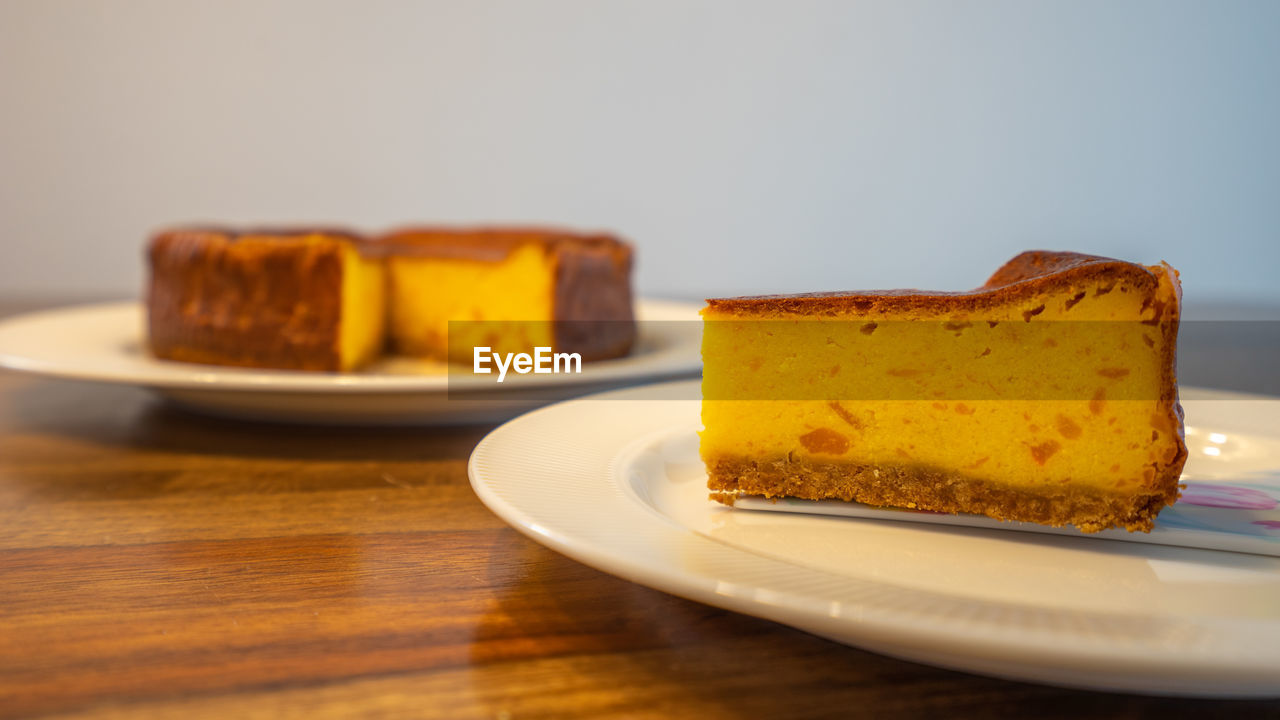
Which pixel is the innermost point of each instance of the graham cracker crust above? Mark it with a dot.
(924, 488)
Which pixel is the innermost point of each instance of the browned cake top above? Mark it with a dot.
(1031, 272)
(264, 232)
(495, 243)
(195, 239)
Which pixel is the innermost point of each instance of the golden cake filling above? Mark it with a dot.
(503, 304)
(364, 309)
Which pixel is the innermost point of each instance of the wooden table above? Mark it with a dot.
(155, 563)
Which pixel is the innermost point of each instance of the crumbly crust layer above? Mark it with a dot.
(925, 488)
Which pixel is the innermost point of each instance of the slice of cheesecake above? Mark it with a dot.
(1047, 395)
(508, 289)
(288, 299)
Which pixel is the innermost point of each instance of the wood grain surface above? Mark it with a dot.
(155, 563)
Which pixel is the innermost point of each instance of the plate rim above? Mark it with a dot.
(875, 630)
(676, 360)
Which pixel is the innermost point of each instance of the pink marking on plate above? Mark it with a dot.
(1268, 524)
(1227, 496)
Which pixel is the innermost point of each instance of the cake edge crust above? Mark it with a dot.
(229, 332)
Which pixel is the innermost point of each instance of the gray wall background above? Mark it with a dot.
(745, 147)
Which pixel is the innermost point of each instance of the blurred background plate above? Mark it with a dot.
(106, 343)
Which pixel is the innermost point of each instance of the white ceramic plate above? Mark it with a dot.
(105, 343)
(614, 481)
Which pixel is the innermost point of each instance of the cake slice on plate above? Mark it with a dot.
(1047, 395)
(299, 299)
(509, 289)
